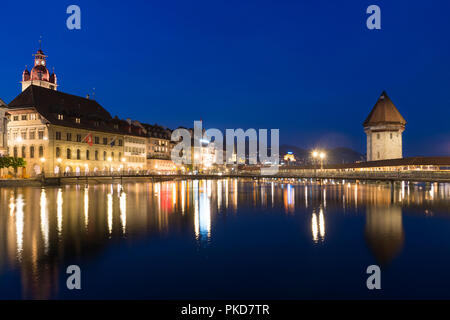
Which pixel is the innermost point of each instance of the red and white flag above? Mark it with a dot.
(88, 139)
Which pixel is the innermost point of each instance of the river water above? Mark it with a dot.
(229, 238)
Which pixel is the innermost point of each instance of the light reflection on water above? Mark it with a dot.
(41, 229)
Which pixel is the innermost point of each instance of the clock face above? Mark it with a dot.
(42, 62)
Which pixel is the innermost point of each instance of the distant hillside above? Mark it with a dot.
(334, 156)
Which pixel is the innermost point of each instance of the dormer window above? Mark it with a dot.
(77, 120)
(116, 126)
(60, 117)
(96, 123)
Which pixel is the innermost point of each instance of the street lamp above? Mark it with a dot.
(319, 155)
(43, 166)
(322, 156)
(59, 160)
(110, 166)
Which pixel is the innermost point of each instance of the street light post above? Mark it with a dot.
(318, 155)
(43, 168)
(59, 160)
(322, 156)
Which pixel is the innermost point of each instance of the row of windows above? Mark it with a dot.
(136, 159)
(30, 153)
(160, 149)
(161, 143)
(30, 135)
(25, 117)
(87, 155)
(134, 150)
(135, 140)
(391, 135)
(80, 138)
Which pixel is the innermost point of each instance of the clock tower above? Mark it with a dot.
(39, 75)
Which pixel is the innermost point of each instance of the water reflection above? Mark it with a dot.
(79, 221)
(318, 226)
(384, 232)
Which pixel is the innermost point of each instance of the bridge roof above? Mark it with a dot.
(412, 161)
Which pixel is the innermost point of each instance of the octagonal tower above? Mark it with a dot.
(384, 128)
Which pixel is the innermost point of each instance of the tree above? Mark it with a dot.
(17, 163)
(5, 162)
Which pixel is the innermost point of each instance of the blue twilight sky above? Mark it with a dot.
(310, 68)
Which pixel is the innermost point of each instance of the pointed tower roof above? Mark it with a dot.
(384, 112)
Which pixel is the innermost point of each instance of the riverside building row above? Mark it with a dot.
(59, 133)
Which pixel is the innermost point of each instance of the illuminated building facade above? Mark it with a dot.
(3, 128)
(58, 133)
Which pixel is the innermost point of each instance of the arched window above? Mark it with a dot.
(41, 151)
(15, 152)
(78, 154)
(112, 156)
(24, 152)
(69, 154)
(58, 152)
(87, 154)
(96, 154)
(104, 155)
(31, 152)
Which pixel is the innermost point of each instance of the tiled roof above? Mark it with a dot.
(384, 112)
(50, 103)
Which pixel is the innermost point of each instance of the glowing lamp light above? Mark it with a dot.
(109, 159)
(59, 160)
(42, 160)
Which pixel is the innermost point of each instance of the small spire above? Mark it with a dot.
(40, 42)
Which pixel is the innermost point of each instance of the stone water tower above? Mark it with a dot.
(384, 127)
